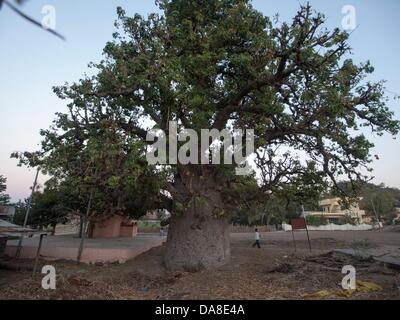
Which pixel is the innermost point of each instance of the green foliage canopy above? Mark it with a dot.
(217, 64)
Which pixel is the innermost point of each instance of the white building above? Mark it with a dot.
(7, 213)
(333, 210)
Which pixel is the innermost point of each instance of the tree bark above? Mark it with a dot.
(80, 226)
(198, 237)
(193, 245)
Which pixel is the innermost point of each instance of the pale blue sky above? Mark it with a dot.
(32, 61)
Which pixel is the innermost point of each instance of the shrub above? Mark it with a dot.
(347, 220)
(316, 221)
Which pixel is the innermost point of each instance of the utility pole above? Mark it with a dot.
(21, 239)
(376, 213)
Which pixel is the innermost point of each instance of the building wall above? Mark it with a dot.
(7, 212)
(114, 227)
(128, 231)
(332, 210)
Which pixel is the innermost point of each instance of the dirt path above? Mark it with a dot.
(272, 272)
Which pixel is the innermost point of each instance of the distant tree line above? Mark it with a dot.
(379, 202)
(4, 197)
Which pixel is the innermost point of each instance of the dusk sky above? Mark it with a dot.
(32, 61)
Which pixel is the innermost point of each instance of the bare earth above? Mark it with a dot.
(273, 272)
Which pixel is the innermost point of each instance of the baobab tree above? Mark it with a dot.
(221, 64)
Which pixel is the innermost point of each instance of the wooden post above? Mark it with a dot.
(308, 237)
(300, 224)
(294, 241)
(21, 239)
(38, 253)
(84, 228)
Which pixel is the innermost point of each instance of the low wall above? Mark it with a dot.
(247, 229)
(333, 227)
(150, 230)
(90, 255)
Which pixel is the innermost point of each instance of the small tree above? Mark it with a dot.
(47, 209)
(20, 211)
(380, 205)
(4, 197)
(102, 164)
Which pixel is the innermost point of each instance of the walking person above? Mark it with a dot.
(257, 243)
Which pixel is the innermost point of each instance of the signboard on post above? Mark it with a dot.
(299, 224)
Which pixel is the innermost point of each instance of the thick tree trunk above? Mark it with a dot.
(198, 236)
(198, 233)
(196, 243)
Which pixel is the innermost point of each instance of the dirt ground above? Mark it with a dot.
(273, 272)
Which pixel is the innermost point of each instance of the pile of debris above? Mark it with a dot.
(324, 273)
